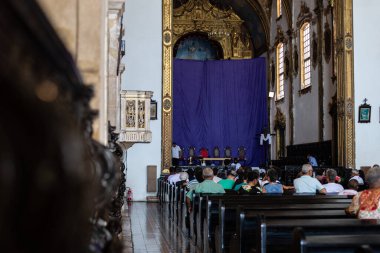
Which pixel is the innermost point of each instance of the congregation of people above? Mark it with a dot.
(253, 181)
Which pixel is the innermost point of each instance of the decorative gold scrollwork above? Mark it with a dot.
(348, 42)
(223, 26)
(167, 104)
(167, 38)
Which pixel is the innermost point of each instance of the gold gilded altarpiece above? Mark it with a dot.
(225, 27)
(200, 16)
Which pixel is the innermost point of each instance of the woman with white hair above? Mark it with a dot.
(366, 205)
(355, 175)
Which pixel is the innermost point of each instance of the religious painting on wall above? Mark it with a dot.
(365, 112)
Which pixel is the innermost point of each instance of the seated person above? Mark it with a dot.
(352, 186)
(235, 164)
(272, 186)
(197, 179)
(184, 178)
(241, 179)
(306, 183)
(331, 186)
(263, 180)
(173, 179)
(229, 182)
(355, 175)
(252, 187)
(366, 204)
(320, 175)
(216, 178)
(207, 186)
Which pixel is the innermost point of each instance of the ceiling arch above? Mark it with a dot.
(253, 14)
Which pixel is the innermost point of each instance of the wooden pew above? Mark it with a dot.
(200, 211)
(275, 235)
(210, 220)
(347, 243)
(236, 222)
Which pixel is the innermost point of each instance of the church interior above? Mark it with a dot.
(189, 126)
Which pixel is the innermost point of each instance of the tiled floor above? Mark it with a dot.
(126, 235)
(153, 232)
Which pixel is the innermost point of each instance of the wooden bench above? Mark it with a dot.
(236, 222)
(275, 235)
(347, 243)
(216, 212)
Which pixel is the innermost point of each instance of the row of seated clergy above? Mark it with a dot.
(203, 153)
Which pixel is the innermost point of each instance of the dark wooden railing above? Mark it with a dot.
(60, 190)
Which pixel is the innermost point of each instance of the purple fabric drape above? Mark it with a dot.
(220, 103)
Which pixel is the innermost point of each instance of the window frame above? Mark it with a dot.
(280, 83)
(305, 62)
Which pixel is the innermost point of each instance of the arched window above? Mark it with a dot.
(279, 8)
(280, 71)
(305, 56)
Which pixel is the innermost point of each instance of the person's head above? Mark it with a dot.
(373, 177)
(355, 172)
(208, 173)
(247, 169)
(272, 175)
(221, 174)
(319, 172)
(198, 174)
(331, 175)
(240, 171)
(178, 170)
(307, 169)
(232, 175)
(353, 184)
(183, 176)
(253, 177)
(191, 174)
(174, 144)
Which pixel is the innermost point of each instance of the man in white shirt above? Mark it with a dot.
(306, 183)
(331, 186)
(175, 154)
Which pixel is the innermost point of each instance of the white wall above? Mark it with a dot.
(366, 69)
(143, 62)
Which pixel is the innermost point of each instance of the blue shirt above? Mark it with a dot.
(273, 188)
(313, 161)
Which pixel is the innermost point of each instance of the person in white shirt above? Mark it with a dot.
(352, 186)
(331, 186)
(355, 175)
(306, 183)
(173, 179)
(175, 154)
